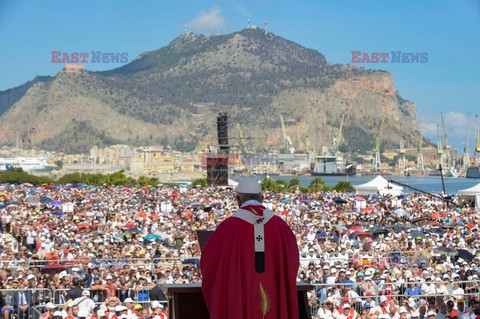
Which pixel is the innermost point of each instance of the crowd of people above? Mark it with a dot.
(103, 252)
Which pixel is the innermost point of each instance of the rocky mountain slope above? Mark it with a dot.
(171, 97)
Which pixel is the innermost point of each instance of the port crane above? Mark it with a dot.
(440, 157)
(420, 162)
(401, 158)
(336, 140)
(288, 142)
(300, 144)
(447, 156)
(245, 147)
(477, 138)
(377, 164)
(466, 155)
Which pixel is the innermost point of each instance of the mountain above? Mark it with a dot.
(171, 97)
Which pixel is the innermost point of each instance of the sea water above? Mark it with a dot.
(431, 184)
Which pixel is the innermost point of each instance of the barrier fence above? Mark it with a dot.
(430, 302)
(385, 262)
(31, 303)
(106, 263)
(102, 263)
(23, 303)
(391, 259)
(357, 297)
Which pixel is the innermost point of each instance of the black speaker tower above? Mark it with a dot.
(222, 132)
(217, 169)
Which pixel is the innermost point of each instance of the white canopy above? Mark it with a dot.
(232, 183)
(471, 193)
(379, 185)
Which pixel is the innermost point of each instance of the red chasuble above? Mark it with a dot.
(232, 286)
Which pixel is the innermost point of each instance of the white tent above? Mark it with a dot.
(379, 186)
(232, 183)
(471, 193)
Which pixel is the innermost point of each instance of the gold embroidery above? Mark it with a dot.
(265, 302)
(254, 211)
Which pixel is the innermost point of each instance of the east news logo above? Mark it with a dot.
(92, 57)
(382, 57)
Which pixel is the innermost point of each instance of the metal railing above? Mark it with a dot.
(102, 263)
(170, 260)
(25, 303)
(386, 261)
(34, 300)
(101, 295)
(429, 302)
(321, 292)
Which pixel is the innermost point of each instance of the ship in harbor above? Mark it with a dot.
(27, 164)
(473, 172)
(332, 165)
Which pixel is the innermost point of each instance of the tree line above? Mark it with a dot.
(18, 176)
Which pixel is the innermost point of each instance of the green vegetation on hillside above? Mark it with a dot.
(173, 94)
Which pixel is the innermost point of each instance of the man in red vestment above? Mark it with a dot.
(249, 265)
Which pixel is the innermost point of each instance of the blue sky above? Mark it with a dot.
(449, 31)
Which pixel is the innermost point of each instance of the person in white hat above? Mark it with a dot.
(250, 264)
(49, 311)
(57, 315)
(382, 308)
(84, 302)
(157, 310)
(327, 309)
(348, 312)
(414, 315)
(129, 303)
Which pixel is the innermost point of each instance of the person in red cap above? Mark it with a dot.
(66, 256)
(249, 265)
(345, 310)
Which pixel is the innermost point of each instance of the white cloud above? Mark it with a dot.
(430, 128)
(208, 22)
(456, 126)
(455, 123)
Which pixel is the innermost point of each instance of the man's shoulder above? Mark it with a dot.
(156, 288)
(279, 219)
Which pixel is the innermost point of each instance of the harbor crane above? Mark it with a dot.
(401, 158)
(245, 147)
(288, 142)
(336, 140)
(477, 139)
(377, 163)
(300, 145)
(447, 160)
(466, 155)
(420, 162)
(440, 156)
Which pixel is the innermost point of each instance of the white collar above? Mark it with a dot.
(251, 202)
